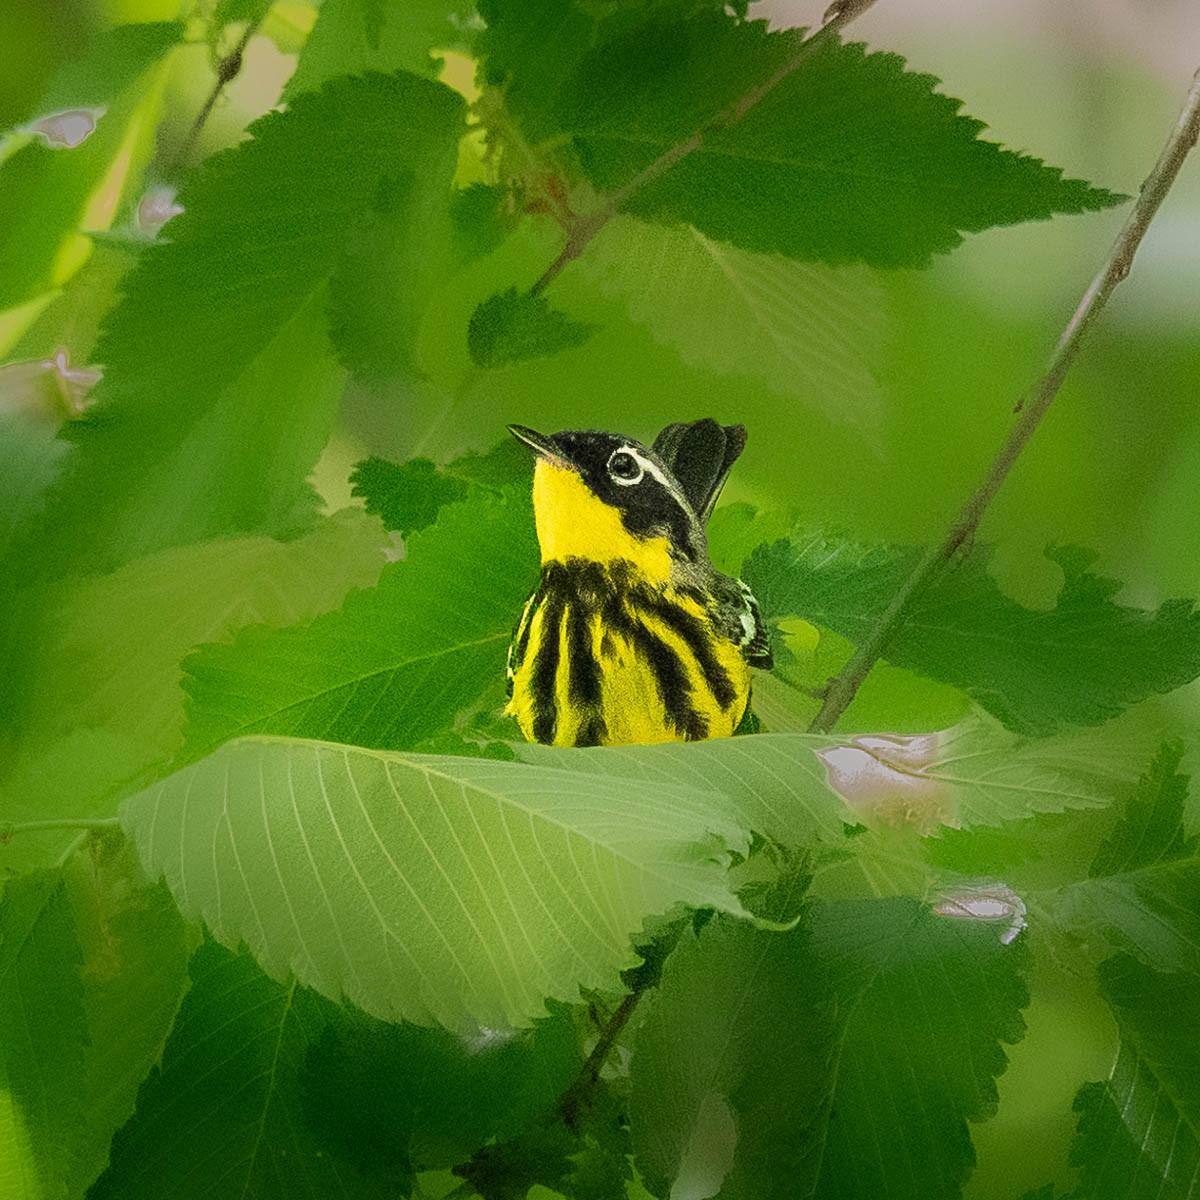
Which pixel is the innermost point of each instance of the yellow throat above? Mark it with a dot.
(572, 522)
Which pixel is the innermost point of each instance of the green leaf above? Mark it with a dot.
(734, 1068)
(809, 332)
(397, 1098)
(31, 459)
(1143, 896)
(797, 788)
(226, 321)
(44, 190)
(224, 1113)
(516, 325)
(396, 253)
(135, 949)
(433, 888)
(119, 639)
(929, 1002)
(395, 664)
(1150, 829)
(1139, 1131)
(841, 1059)
(197, 466)
(43, 1036)
(355, 36)
(405, 497)
(1081, 662)
(847, 158)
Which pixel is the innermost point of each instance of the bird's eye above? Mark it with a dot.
(624, 468)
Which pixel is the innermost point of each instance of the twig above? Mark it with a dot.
(585, 227)
(574, 1100)
(228, 69)
(1032, 408)
(87, 823)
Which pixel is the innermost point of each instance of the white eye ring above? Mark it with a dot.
(629, 453)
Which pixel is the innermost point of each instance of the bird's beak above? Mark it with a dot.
(542, 446)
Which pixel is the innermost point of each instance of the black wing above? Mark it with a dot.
(520, 640)
(700, 454)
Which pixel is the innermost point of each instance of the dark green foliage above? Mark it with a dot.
(408, 497)
(1082, 662)
(518, 325)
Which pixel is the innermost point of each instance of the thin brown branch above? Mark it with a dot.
(585, 227)
(228, 68)
(1031, 410)
(573, 1102)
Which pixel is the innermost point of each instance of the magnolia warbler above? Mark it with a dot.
(632, 635)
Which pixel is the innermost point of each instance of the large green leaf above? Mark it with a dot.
(1082, 661)
(224, 1115)
(849, 157)
(1139, 1130)
(429, 888)
(395, 664)
(841, 1059)
(43, 1036)
(221, 330)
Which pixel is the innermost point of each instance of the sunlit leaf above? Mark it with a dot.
(433, 888)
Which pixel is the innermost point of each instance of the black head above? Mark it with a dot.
(637, 480)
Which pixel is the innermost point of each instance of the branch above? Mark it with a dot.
(1032, 408)
(86, 823)
(584, 228)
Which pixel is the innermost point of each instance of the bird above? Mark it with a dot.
(632, 636)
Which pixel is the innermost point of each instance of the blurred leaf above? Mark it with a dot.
(352, 37)
(135, 950)
(456, 890)
(395, 663)
(120, 638)
(734, 1068)
(1081, 662)
(226, 320)
(399, 1098)
(31, 459)
(43, 1037)
(45, 191)
(810, 332)
(478, 221)
(1137, 1133)
(223, 1114)
(929, 1002)
(396, 253)
(516, 325)
(198, 468)
(1143, 897)
(1150, 829)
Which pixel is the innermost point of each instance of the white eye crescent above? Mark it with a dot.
(626, 467)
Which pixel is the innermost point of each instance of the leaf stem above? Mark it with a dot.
(87, 823)
(1031, 409)
(574, 1100)
(583, 228)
